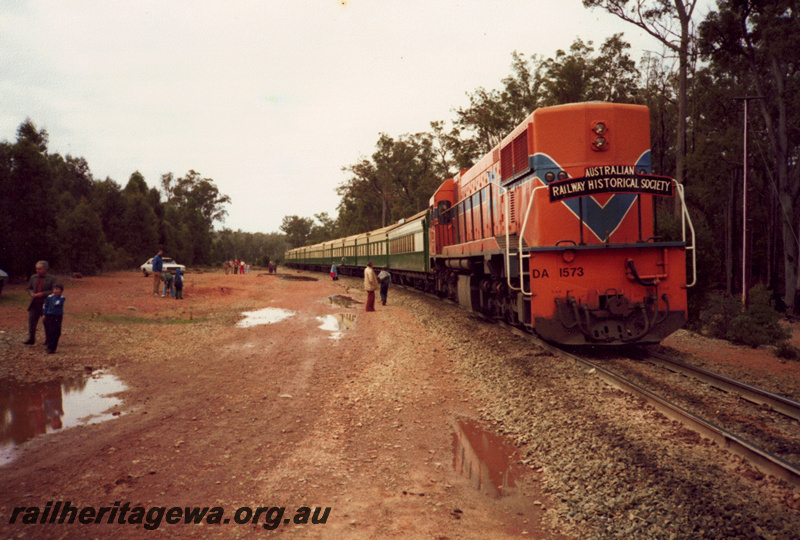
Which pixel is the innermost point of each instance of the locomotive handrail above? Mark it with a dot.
(508, 240)
(687, 219)
(522, 256)
(507, 250)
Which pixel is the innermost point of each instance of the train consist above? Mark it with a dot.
(554, 229)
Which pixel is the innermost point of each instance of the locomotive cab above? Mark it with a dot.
(441, 230)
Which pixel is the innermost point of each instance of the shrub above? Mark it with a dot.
(759, 324)
(787, 350)
(718, 315)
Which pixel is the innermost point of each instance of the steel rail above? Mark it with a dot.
(751, 393)
(762, 460)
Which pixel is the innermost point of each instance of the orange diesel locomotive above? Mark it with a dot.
(554, 229)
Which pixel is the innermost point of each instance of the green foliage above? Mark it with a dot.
(579, 76)
(323, 229)
(296, 230)
(52, 208)
(258, 248)
(718, 315)
(759, 324)
(117, 258)
(28, 202)
(82, 240)
(395, 183)
(786, 350)
(757, 42)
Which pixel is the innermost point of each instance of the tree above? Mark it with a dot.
(141, 240)
(761, 40)
(492, 114)
(362, 205)
(659, 19)
(82, 240)
(296, 230)
(582, 76)
(201, 194)
(198, 204)
(136, 185)
(28, 203)
(323, 229)
(396, 182)
(574, 76)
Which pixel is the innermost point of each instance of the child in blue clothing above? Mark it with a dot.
(178, 284)
(53, 314)
(167, 278)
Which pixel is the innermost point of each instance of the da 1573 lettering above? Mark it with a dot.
(576, 271)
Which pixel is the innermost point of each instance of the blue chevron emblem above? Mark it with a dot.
(601, 219)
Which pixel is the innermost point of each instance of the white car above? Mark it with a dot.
(168, 264)
(3, 279)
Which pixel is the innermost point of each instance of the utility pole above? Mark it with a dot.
(745, 299)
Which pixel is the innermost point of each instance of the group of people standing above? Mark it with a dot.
(374, 282)
(240, 267)
(164, 278)
(236, 266)
(47, 301)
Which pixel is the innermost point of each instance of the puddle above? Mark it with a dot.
(264, 316)
(485, 459)
(291, 277)
(30, 410)
(342, 301)
(337, 324)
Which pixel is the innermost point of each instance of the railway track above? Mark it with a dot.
(751, 393)
(763, 460)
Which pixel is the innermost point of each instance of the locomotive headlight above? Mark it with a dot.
(599, 128)
(562, 175)
(549, 177)
(568, 256)
(600, 143)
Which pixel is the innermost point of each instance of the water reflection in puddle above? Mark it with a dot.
(485, 459)
(337, 324)
(342, 301)
(27, 411)
(264, 316)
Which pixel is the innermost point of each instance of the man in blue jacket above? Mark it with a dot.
(158, 266)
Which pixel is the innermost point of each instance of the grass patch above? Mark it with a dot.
(129, 319)
(14, 299)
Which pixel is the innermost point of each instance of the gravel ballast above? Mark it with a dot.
(614, 467)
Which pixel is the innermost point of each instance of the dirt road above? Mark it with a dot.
(366, 418)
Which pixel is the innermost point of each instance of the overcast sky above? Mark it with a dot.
(268, 98)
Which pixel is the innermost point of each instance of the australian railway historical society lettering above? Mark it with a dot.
(610, 179)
